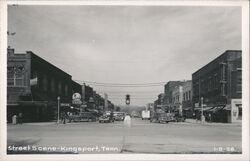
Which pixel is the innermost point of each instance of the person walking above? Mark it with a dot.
(112, 116)
(20, 118)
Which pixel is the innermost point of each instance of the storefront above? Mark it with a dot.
(31, 111)
(234, 111)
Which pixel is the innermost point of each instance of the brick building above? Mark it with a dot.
(177, 97)
(33, 86)
(219, 82)
(187, 105)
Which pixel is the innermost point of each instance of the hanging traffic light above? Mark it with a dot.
(127, 99)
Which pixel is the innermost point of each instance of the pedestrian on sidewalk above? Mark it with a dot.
(64, 117)
(20, 118)
(209, 117)
(196, 117)
(14, 119)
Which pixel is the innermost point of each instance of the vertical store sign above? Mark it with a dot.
(235, 105)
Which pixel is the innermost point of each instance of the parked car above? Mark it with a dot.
(105, 119)
(162, 117)
(179, 118)
(135, 115)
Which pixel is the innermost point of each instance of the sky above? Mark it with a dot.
(126, 44)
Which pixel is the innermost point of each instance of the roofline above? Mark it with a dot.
(30, 52)
(215, 59)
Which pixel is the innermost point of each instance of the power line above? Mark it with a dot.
(125, 92)
(134, 98)
(122, 84)
(90, 82)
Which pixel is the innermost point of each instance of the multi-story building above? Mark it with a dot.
(76, 87)
(187, 106)
(168, 94)
(34, 87)
(219, 83)
(177, 97)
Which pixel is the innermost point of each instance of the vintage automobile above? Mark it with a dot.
(106, 117)
(119, 116)
(83, 116)
(162, 117)
(179, 118)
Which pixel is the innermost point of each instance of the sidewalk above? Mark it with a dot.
(193, 121)
(35, 123)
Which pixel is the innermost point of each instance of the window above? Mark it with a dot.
(52, 85)
(59, 88)
(66, 90)
(15, 75)
(45, 83)
(189, 93)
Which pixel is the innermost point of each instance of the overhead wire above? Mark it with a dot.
(122, 84)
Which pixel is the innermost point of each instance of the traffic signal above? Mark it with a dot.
(127, 99)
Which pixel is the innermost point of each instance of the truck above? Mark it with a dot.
(83, 116)
(145, 114)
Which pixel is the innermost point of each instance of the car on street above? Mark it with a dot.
(106, 117)
(119, 116)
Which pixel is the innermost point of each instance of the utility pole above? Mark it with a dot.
(58, 109)
(202, 117)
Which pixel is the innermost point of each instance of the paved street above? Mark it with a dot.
(142, 137)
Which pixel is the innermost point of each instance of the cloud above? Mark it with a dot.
(126, 44)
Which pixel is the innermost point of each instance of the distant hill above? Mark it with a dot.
(129, 109)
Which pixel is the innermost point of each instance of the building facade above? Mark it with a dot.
(168, 94)
(177, 97)
(34, 87)
(218, 83)
(187, 105)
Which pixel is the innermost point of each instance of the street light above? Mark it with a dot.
(201, 109)
(58, 109)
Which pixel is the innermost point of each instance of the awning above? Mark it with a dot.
(204, 108)
(32, 103)
(216, 108)
(227, 107)
(187, 108)
(92, 110)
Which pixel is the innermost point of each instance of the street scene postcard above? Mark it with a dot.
(125, 81)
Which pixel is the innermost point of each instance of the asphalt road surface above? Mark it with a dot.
(141, 137)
